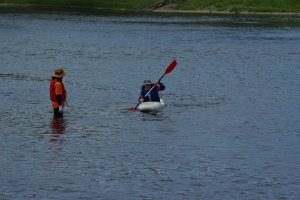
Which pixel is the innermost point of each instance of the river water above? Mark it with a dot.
(230, 129)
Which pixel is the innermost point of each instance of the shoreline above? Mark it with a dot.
(224, 12)
(168, 8)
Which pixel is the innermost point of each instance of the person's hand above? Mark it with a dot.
(157, 81)
(141, 100)
(60, 109)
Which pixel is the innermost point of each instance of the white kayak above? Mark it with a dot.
(151, 106)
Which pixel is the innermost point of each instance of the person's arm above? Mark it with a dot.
(58, 99)
(58, 92)
(160, 86)
(141, 97)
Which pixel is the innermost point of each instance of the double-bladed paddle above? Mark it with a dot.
(168, 70)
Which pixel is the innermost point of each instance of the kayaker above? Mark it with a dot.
(58, 92)
(153, 95)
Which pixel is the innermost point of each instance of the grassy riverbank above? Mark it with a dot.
(229, 6)
(236, 6)
(109, 4)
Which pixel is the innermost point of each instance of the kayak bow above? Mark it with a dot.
(151, 106)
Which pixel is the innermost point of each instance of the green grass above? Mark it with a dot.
(109, 4)
(242, 5)
(235, 6)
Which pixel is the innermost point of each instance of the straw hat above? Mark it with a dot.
(59, 73)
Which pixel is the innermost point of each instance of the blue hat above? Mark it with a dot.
(146, 82)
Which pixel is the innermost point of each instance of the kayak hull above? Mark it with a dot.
(151, 106)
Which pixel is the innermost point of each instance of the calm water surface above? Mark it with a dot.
(230, 129)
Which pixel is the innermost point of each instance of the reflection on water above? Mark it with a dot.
(155, 115)
(58, 127)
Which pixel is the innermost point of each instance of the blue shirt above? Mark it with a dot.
(153, 95)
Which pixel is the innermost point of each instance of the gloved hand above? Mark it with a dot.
(60, 109)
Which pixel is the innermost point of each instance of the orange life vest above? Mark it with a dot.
(52, 91)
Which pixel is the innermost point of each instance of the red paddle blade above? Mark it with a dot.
(132, 109)
(171, 67)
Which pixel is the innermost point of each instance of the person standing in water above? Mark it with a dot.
(58, 92)
(153, 95)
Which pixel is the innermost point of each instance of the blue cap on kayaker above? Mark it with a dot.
(147, 82)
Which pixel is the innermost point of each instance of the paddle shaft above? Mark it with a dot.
(154, 86)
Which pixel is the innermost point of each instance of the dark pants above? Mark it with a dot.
(57, 114)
